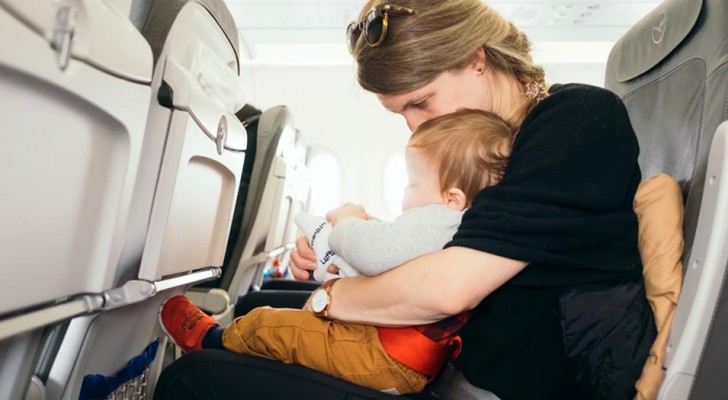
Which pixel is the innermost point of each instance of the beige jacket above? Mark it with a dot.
(659, 208)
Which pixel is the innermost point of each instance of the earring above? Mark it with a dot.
(535, 90)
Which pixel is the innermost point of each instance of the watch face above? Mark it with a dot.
(319, 300)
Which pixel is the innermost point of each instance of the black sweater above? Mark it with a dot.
(565, 206)
(565, 201)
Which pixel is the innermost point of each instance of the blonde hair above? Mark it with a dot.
(469, 147)
(442, 36)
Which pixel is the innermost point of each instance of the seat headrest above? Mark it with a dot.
(154, 19)
(655, 36)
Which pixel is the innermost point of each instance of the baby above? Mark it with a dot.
(449, 160)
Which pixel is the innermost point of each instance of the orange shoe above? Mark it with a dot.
(184, 323)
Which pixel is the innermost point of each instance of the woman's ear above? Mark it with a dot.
(455, 199)
(478, 62)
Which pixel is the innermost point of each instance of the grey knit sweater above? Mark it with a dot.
(373, 246)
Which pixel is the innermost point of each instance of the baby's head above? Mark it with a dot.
(453, 157)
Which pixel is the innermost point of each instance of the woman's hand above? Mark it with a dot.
(347, 210)
(303, 260)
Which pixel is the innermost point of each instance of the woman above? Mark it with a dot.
(548, 259)
(560, 222)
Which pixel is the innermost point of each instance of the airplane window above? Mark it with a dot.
(395, 180)
(325, 172)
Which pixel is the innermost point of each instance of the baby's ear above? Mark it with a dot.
(455, 199)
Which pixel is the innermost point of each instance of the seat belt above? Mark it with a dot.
(418, 352)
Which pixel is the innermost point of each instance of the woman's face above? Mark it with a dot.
(451, 91)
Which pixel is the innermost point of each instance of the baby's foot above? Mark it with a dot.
(184, 323)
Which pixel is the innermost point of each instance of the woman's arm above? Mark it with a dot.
(424, 290)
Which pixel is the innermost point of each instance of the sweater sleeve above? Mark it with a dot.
(565, 201)
(373, 246)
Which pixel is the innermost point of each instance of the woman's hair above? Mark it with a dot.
(470, 149)
(444, 35)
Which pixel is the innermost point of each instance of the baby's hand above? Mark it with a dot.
(347, 210)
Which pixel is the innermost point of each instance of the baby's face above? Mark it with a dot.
(424, 184)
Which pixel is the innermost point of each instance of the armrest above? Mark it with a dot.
(272, 298)
(287, 284)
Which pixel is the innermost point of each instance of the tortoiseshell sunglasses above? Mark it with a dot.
(374, 25)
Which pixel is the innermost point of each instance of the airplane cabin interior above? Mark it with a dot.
(150, 149)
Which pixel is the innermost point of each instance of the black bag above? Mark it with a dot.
(607, 366)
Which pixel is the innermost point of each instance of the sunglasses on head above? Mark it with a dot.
(374, 25)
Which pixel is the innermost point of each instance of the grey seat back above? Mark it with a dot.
(675, 91)
(73, 116)
(277, 190)
(671, 70)
(154, 19)
(275, 135)
(183, 198)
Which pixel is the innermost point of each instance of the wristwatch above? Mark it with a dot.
(321, 299)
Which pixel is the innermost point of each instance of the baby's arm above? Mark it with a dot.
(373, 246)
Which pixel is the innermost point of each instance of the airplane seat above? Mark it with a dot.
(75, 80)
(195, 48)
(250, 117)
(202, 292)
(275, 193)
(671, 71)
(182, 202)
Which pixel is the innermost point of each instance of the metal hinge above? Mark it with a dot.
(129, 293)
(136, 291)
(63, 35)
(221, 136)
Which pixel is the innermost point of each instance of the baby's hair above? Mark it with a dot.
(469, 147)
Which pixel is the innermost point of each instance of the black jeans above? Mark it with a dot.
(222, 375)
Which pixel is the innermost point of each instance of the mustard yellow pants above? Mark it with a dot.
(350, 352)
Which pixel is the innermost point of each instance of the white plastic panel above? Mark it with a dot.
(98, 31)
(270, 203)
(16, 367)
(124, 6)
(194, 203)
(70, 148)
(199, 177)
(704, 276)
(195, 28)
(676, 387)
(291, 194)
(286, 193)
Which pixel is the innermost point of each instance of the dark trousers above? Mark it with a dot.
(222, 375)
